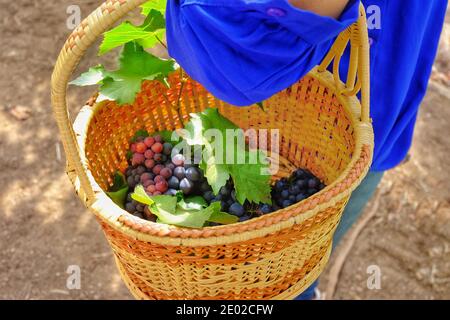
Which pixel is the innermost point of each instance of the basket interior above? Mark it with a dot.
(315, 130)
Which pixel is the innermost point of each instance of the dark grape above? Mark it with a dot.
(171, 192)
(279, 185)
(292, 198)
(300, 197)
(130, 207)
(186, 186)
(179, 172)
(225, 191)
(208, 196)
(294, 190)
(193, 174)
(233, 195)
(286, 203)
(285, 194)
(140, 207)
(266, 208)
(301, 183)
(170, 166)
(312, 183)
(237, 209)
(158, 157)
(224, 205)
(174, 182)
(205, 186)
(131, 182)
(245, 218)
(167, 148)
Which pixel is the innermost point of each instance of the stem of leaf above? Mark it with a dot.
(161, 42)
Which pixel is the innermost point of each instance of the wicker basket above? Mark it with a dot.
(323, 126)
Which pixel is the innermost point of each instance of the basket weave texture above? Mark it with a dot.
(323, 127)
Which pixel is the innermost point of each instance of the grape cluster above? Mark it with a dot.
(299, 186)
(228, 201)
(160, 169)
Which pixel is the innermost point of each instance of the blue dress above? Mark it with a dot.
(244, 51)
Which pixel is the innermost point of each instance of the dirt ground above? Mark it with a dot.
(44, 228)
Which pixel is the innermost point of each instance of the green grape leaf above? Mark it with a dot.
(251, 180)
(118, 191)
(139, 133)
(92, 77)
(146, 35)
(169, 136)
(193, 203)
(190, 213)
(135, 65)
(159, 5)
(223, 218)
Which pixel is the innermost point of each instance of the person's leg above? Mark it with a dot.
(358, 200)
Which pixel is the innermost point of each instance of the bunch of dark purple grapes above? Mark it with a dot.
(299, 186)
(228, 201)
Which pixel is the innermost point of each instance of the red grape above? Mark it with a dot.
(166, 173)
(157, 147)
(138, 158)
(141, 147)
(145, 176)
(159, 179)
(133, 147)
(162, 186)
(157, 169)
(150, 163)
(158, 138)
(171, 166)
(157, 193)
(149, 154)
(147, 183)
(149, 141)
(151, 188)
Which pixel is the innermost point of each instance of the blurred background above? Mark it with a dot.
(404, 235)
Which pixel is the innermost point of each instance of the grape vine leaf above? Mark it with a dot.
(118, 191)
(159, 5)
(190, 213)
(92, 77)
(147, 35)
(249, 179)
(122, 85)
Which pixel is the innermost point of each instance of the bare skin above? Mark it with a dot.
(330, 8)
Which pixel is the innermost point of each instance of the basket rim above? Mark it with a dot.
(134, 227)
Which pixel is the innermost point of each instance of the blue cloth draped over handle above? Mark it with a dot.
(245, 51)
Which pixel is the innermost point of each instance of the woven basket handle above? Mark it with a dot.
(358, 75)
(110, 12)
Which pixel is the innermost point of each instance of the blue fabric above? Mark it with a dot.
(244, 51)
